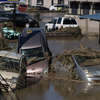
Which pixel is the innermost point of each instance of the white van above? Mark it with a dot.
(60, 22)
(8, 7)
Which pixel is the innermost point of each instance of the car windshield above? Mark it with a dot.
(33, 55)
(87, 60)
(69, 21)
(11, 6)
(28, 17)
(9, 64)
(23, 5)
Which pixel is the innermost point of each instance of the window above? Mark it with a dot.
(28, 17)
(20, 16)
(60, 1)
(9, 64)
(87, 60)
(23, 5)
(52, 2)
(73, 21)
(53, 21)
(59, 21)
(32, 53)
(69, 21)
(40, 2)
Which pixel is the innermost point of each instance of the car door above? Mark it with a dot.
(58, 23)
(74, 23)
(51, 24)
(67, 22)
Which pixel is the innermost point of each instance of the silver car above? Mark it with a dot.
(87, 68)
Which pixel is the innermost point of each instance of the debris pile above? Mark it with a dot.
(8, 24)
(68, 31)
(4, 44)
(64, 63)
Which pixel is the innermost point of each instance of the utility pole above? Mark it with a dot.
(14, 17)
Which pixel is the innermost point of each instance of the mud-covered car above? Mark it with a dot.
(87, 68)
(78, 64)
(32, 43)
(12, 71)
(9, 33)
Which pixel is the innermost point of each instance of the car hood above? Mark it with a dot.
(94, 70)
(37, 67)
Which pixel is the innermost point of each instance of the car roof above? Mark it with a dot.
(31, 38)
(63, 17)
(10, 54)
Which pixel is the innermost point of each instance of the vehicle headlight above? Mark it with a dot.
(89, 75)
(14, 80)
(45, 70)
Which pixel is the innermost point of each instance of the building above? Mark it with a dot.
(84, 7)
(77, 8)
(46, 3)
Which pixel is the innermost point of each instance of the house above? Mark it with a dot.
(46, 3)
(84, 7)
(77, 8)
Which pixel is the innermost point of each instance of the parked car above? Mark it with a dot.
(38, 8)
(21, 19)
(87, 68)
(32, 43)
(8, 7)
(60, 22)
(12, 71)
(58, 7)
(22, 7)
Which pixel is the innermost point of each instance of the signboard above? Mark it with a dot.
(10, 1)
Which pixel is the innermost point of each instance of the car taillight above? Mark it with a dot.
(61, 26)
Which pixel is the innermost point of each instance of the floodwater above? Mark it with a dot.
(56, 89)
